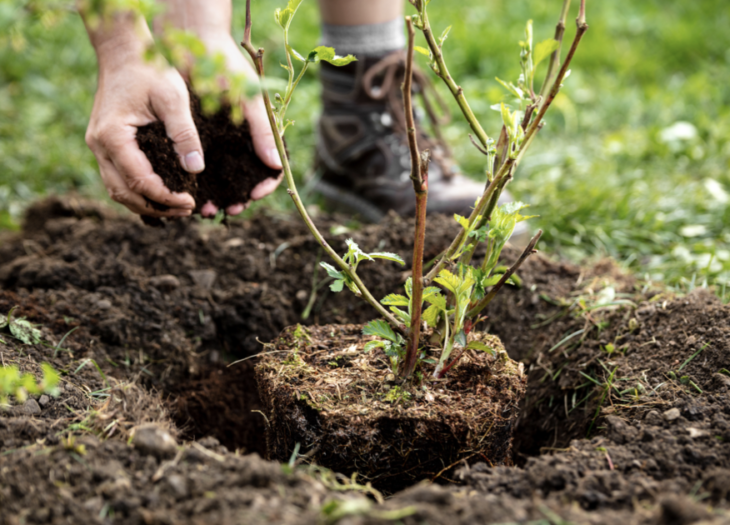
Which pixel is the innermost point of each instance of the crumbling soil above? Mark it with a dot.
(347, 412)
(636, 432)
(232, 168)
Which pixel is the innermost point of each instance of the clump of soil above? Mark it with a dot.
(345, 409)
(232, 168)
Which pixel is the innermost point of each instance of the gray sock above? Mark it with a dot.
(365, 40)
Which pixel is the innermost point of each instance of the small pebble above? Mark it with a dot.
(103, 304)
(671, 414)
(44, 400)
(178, 485)
(165, 282)
(150, 439)
(204, 278)
(653, 418)
(29, 408)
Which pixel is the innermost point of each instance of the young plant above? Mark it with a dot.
(13, 383)
(465, 290)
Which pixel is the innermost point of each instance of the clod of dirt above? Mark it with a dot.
(232, 168)
(348, 413)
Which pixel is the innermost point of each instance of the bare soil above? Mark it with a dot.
(626, 417)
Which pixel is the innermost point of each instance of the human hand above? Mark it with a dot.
(133, 93)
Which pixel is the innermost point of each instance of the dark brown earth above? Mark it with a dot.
(346, 410)
(232, 168)
(602, 437)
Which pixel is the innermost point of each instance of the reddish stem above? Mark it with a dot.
(451, 364)
(419, 177)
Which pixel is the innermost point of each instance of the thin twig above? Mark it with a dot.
(257, 58)
(443, 72)
(555, 57)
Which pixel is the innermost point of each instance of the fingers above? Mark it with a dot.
(235, 209)
(263, 138)
(173, 108)
(262, 189)
(120, 192)
(208, 210)
(128, 174)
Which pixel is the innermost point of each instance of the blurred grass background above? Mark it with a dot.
(634, 161)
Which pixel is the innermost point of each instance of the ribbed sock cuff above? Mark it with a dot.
(365, 40)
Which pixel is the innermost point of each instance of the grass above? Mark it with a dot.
(611, 174)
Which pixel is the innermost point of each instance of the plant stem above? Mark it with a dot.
(555, 57)
(529, 250)
(257, 58)
(419, 177)
(456, 90)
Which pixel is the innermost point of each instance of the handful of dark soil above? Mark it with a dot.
(232, 168)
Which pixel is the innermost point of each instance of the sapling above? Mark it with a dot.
(453, 307)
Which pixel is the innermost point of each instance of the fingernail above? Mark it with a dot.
(181, 213)
(194, 162)
(274, 160)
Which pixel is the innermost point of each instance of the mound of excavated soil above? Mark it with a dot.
(626, 417)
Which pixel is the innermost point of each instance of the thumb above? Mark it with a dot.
(175, 113)
(263, 138)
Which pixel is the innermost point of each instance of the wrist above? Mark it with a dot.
(122, 38)
(210, 21)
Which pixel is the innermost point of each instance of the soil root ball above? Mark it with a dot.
(347, 412)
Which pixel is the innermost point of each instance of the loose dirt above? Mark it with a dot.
(626, 417)
(232, 168)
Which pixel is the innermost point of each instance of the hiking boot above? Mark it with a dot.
(362, 156)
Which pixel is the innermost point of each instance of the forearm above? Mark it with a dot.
(210, 20)
(117, 38)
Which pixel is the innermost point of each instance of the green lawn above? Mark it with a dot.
(612, 173)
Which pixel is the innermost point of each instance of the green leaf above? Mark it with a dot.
(423, 51)
(403, 316)
(437, 300)
(409, 287)
(331, 271)
(512, 88)
(448, 280)
(338, 285)
(380, 328)
(285, 16)
(478, 345)
(430, 290)
(296, 54)
(463, 221)
(327, 54)
(354, 253)
(388, 257)
(444, 36)
(431, 315)
(25, 332)
(543, 50)
(395, 299)
(372, 345)
(491, 281)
